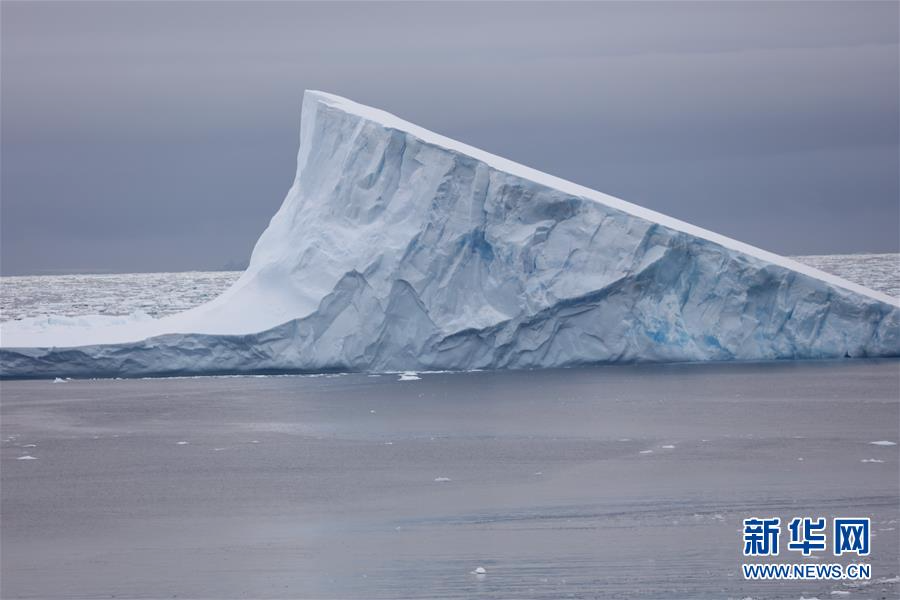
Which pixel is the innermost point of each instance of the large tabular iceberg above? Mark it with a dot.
(399, 249)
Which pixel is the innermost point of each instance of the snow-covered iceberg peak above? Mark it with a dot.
(400, 249)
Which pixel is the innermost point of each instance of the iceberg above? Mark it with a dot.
(398, 249)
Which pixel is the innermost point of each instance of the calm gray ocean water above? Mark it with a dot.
(609, 482)
(159, 294)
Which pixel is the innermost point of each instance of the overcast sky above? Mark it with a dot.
(163, 136)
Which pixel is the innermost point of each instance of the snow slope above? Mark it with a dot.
(400, 249)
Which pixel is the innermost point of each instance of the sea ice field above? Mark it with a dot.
(613, 482)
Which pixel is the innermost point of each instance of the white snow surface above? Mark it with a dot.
(400, 249)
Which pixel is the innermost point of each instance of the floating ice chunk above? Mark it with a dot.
(27, 457)
(30, 446)
(883, 443)
(479, 571)
(59, 380)
(254, 441)
(182, 443)
(372, 411)
(840, 593)
(397, 249)
(668, 447)
(871, 460)
(442, 479)
(646, 452)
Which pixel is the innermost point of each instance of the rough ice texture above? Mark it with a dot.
(399, 249)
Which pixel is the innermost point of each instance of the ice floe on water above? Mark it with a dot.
(871, 460)
(883, 443)
(182, 443)
(668, 447)
(409, 376)
(464, 266)
(27, 457)
(442, 479)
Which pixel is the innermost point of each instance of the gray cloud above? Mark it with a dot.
(162, 136)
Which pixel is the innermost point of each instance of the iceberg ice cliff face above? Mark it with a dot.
(399, 249)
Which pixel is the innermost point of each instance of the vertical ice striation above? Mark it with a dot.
(399, 249)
